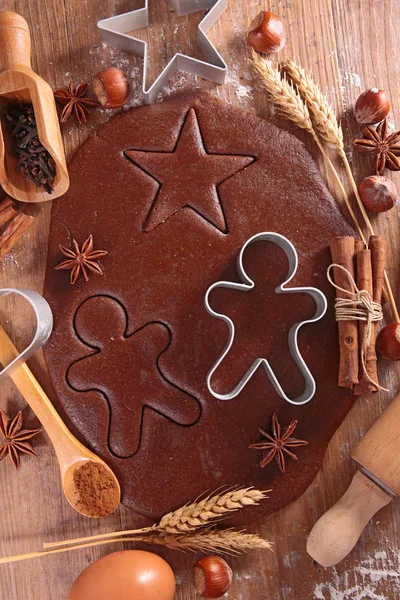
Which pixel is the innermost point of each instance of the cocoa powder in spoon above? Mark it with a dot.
(97, 494)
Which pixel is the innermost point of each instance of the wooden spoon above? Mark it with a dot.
(74, 459)
(20, 85)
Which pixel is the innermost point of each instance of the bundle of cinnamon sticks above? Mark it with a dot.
(13, 225)
(367, 267)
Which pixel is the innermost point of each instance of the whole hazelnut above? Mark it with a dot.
(212, 577)
(372, 107)
(111, 88)
(378, 193)
(266, 33)
(388, 342)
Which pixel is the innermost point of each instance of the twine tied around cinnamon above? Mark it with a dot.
(359, 307)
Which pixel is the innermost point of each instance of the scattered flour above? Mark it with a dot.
(10, 261)
(353, 78)
(287, 593)
(363, 581)
(346, 447)
(291, 559)
(391, 126)
(243, 91)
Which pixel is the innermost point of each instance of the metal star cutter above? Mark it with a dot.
(247, 285)
(113, 31)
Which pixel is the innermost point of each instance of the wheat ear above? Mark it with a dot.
(203, 512)
(322, 114)
(328, 128)
(226, 541)
(285, 97)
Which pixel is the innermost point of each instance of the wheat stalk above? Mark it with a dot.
(189, 517)
(221, 542)
(184, 529)
(294, 107)
(328, 128)
(325, 122)
(309, 109)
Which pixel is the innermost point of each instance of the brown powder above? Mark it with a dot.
(97, 494)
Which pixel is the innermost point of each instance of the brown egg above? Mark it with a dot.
(125, 575)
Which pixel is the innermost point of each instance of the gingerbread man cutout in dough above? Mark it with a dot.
(123, 369)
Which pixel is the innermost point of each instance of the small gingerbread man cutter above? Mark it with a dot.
(247, 285)
(114, 31)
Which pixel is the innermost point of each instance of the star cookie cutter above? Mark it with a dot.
(247, 285)
(44, 326)
(113, 31)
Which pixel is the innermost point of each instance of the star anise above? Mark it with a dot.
(385, 147)
(80, 260)
(15, 438)
(277, 445)
(75, 102)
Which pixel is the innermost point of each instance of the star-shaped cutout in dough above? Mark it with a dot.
(188, 177)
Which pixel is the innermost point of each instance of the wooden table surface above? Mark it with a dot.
(349, 45)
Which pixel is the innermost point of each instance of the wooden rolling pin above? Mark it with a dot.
(20, 85)
(375, 485)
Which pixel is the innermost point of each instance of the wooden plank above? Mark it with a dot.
(349, 46)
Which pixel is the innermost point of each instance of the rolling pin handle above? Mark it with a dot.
(15, 41)
(338, 530)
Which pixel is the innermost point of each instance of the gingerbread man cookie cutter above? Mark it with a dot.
(114, 30)
(247, 285)
(44, 326)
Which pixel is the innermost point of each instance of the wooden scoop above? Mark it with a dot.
(373, 487)
(20, 85)
(74, 459)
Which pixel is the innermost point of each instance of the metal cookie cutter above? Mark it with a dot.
(44, 326)
(247, 285)
(113, 31)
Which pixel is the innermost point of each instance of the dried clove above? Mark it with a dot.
(34, 161)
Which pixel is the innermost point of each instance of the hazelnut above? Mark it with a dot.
(372, 107)
(266, 33)
(111, 88)
(378, 193)
(388, 342)
(212, 577)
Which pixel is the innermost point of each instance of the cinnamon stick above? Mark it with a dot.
(358, 245)
(365, 282)
(342, 250)
(7, 211)
(378, 248)
(13, 232)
